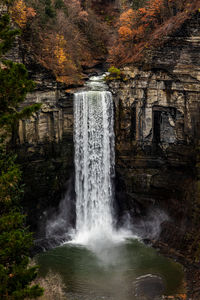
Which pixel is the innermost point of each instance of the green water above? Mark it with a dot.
(111, 273)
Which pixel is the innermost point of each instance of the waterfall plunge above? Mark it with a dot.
(94, 164)
(94, 173)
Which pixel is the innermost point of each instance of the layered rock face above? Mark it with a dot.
(158, 127)
(45, 144)
(157, 133)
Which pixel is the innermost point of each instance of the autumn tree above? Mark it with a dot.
(146, 26)
(20, 13)
(56, 56)
(74, 39)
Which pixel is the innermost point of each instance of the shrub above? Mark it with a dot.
(53, 286)
(115, 74)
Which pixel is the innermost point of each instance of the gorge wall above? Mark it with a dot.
(157, 136)
(157, 133)
(45, 144)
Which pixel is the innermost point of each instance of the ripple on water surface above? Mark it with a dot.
(123, 271)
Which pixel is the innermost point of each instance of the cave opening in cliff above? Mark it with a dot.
(133, 123)
(157, 119)
(164, 119)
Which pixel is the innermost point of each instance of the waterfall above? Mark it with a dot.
(94, 162)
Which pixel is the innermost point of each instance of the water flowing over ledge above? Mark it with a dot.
(95, 252)
(93, 212)
(94, 165)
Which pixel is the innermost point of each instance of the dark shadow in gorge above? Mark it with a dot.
(142, 219)
(57, 221)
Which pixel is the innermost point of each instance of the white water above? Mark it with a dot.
(94, 165)
(94, 175)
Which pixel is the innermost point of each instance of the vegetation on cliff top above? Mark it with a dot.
(69, 36)
(147, 27)
(63, 36)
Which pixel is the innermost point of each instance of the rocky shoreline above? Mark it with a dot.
(191, 271)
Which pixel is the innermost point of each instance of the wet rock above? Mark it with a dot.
(45, 145)
(44, 244)
(149, 287)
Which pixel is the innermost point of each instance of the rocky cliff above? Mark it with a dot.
(157, 135)
(157, 113)
(45, 144)
(157, 132)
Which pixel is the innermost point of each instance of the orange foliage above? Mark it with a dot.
(83, 15)
(182, 296)
(68, 42)
(30, 12)
(145, 27)
(125, 33)
(128, 17)
(59, 51)
(55, 57)
(20, 13)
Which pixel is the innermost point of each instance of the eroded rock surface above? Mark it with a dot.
(157, 131)
(45, 145)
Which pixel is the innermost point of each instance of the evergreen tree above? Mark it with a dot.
(14, 82)
(15, 240)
